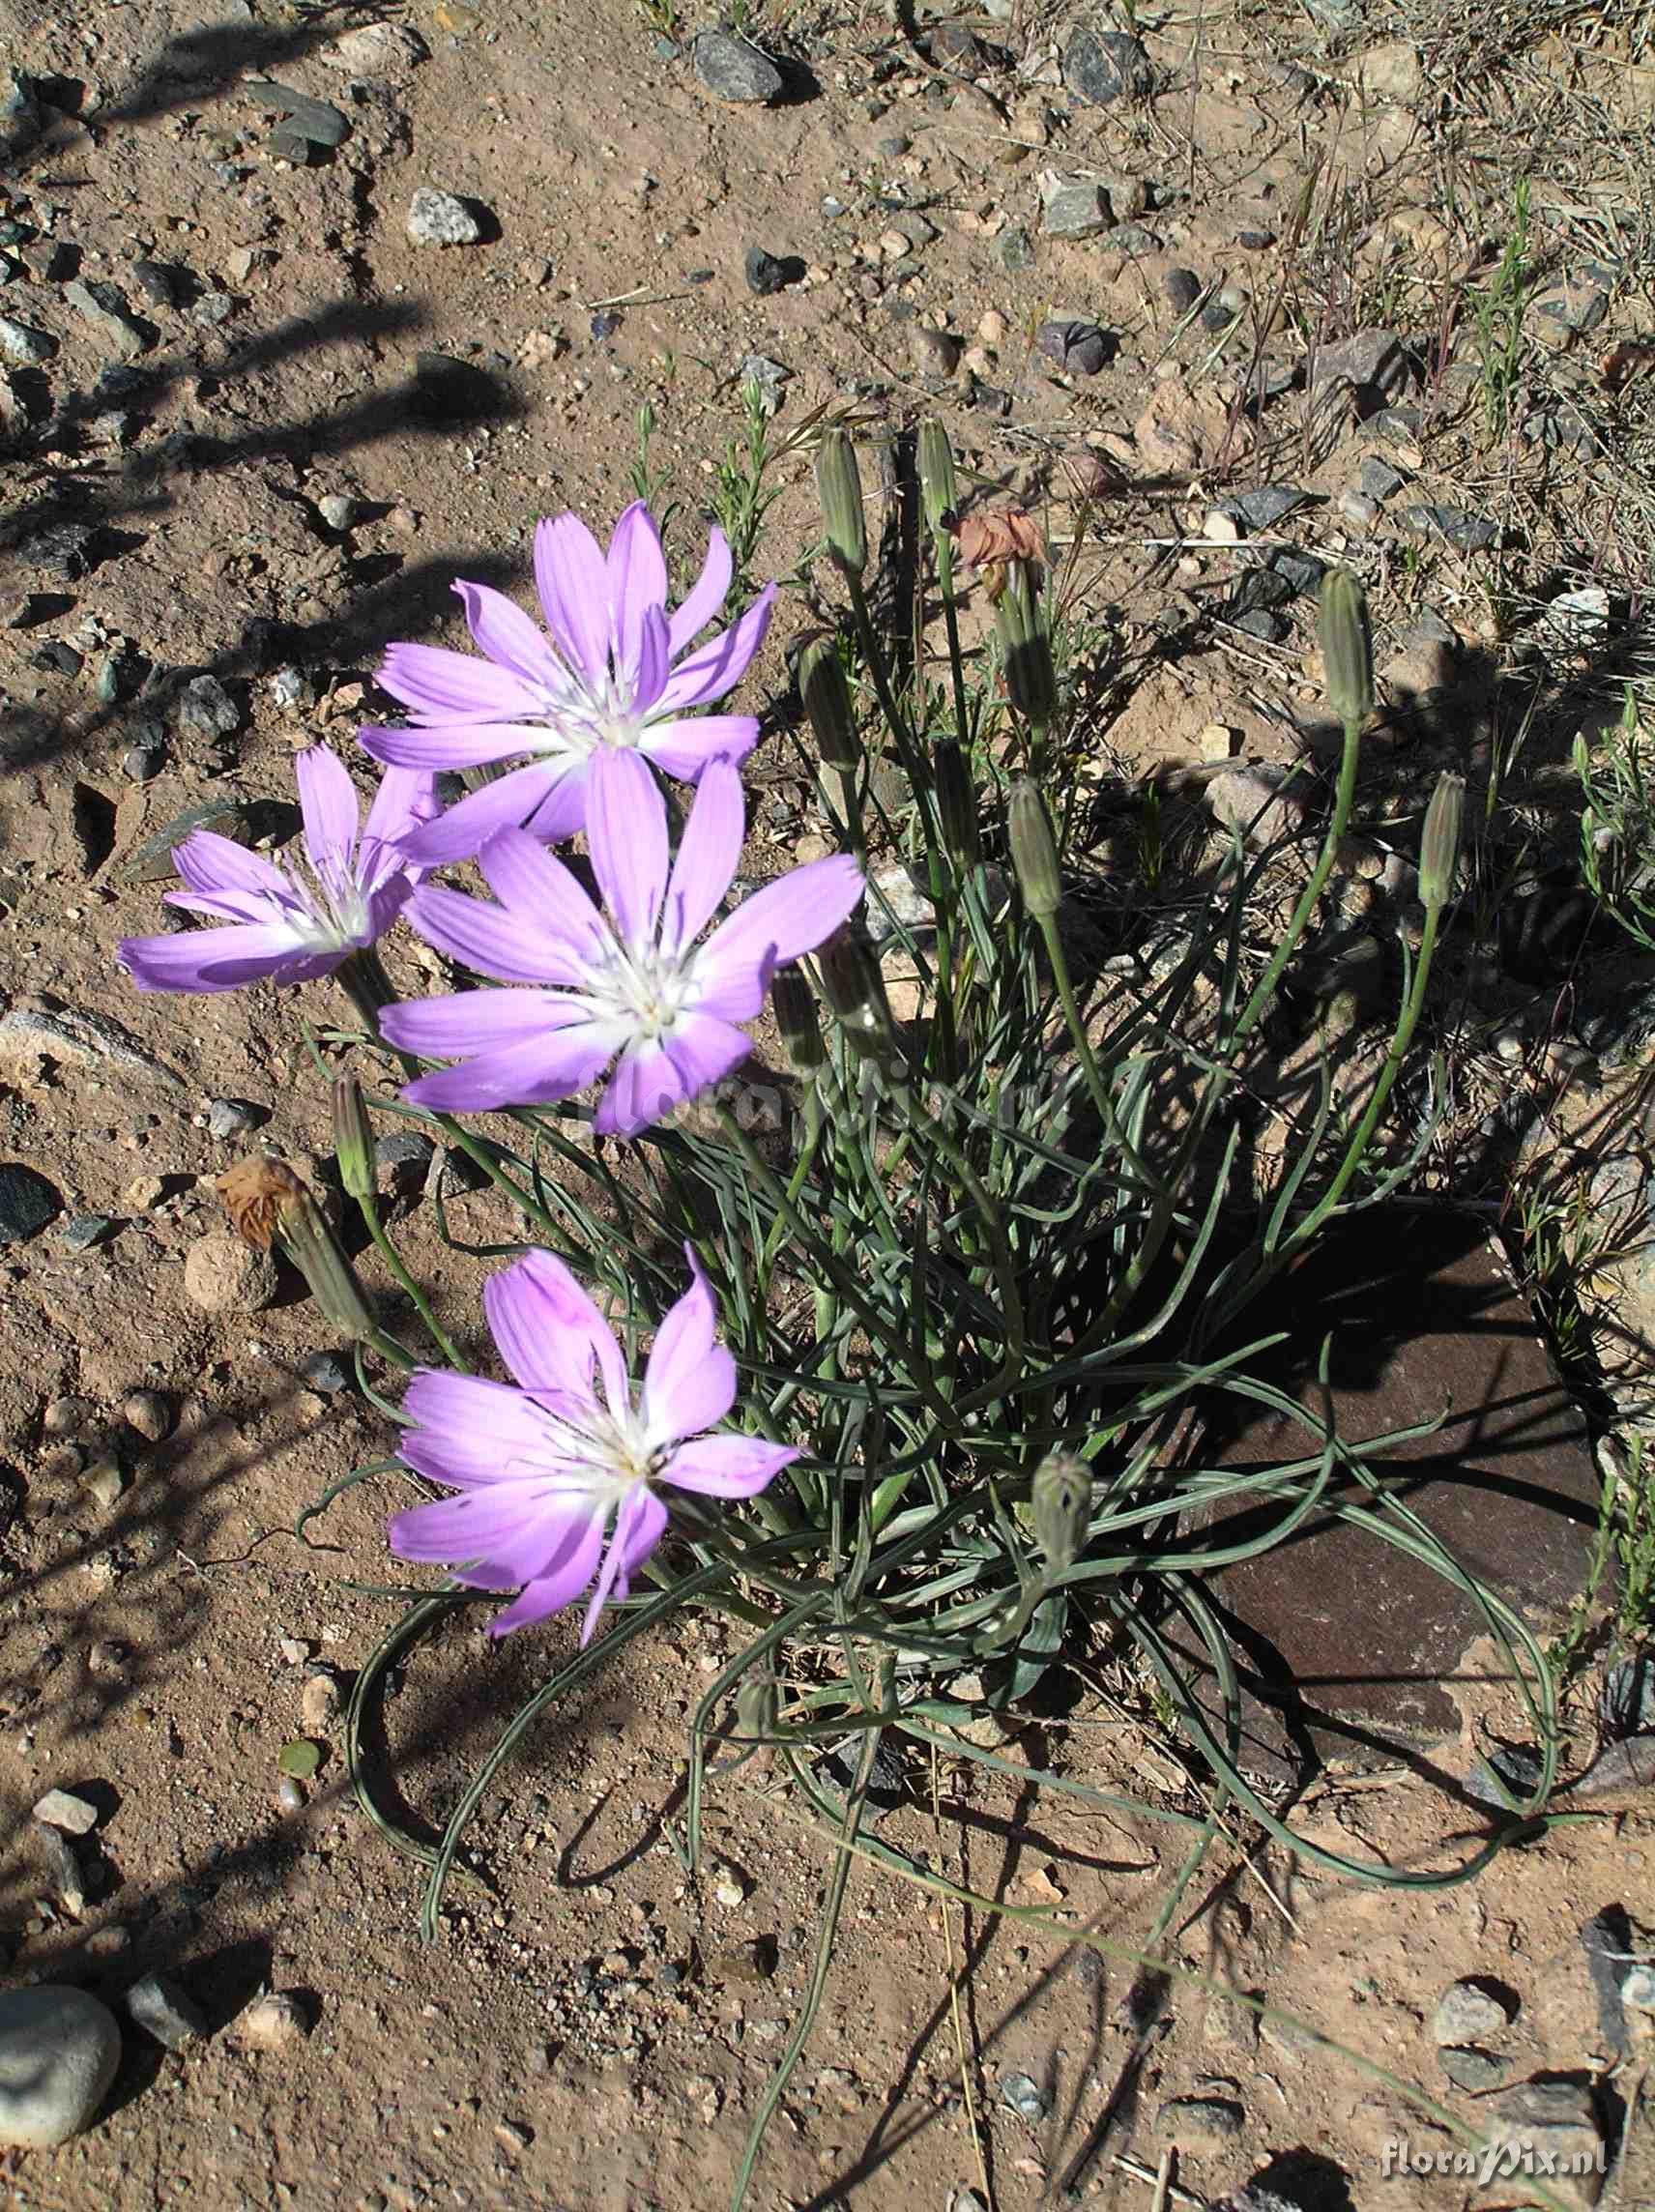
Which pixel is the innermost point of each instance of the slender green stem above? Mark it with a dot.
(369, 1211)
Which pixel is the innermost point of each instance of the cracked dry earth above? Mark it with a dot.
(229, 482)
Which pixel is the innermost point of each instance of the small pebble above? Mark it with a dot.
(729, 1891)
(63, 1809)
(319, 1703)
(149, 1414)
(289, 1796)
(273, 2023)
(1469, 2011)
(65, 1415)
(441, 218)
(228, 1118)
(1024, 2096)
(169, 2012)
(222, 1275)
(735, 71)
(324, 1373)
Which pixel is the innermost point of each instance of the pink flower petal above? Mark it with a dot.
(573, 581)
(511, 640)
(792, 916)
(637, 581)
(539, 890)
(446, 687)
(537, 1073)
(683, 747)
(462, 1022)
(488, 939)
(654, 661)
(689, 1380)
(626, 835)
(406, 800)
(726, 1466)
(706, 595)
(639, 1528)
(221, 959)
(550, 1332)
(710, 671)
(708, 855)
(472, 821)
(466, 1429)
(508, 1526)
(562, 813)
(565, 1577)
(650, 1080)
(435, 745)
(214, 865)
(328, 802)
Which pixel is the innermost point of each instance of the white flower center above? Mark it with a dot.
(330, 907)
(585, 718)
(644, 987)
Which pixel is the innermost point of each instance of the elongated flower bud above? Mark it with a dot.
(855, 991)
(1033, 849)
(1347, 646)
(827, 697)
(840, 489)
(795, 1010)
(269, 1204)
(353, 1138)
(1439, 842)
(1061, 1496)
(937, 495)
(1031, 679)
(956, 805)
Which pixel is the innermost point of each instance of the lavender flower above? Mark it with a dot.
(543, 1466)
(293, 922)
(623, 984)
(613, 676)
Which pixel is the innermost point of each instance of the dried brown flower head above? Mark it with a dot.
(256, 1193)
(988, 541)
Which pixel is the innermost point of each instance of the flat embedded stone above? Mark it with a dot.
(1344, 1643)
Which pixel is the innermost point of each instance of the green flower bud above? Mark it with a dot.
(854, 988)
(1439, 842)
(840, 489)
(795, 1010)
(270, 1204)
(827, 697)
(353, 1138)
(1347, 646)
(1031, 679)
(1061, 1496)
(1033, 849)
(956, 805)
(938, 494)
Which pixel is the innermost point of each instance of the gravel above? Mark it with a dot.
(59, 2049)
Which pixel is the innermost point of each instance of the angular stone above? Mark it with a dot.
(1471, 2012)
(168, 2012)
(105, 308)
(66, 1032)
(1343, 1641)
(1551, 2127)
(1376, 364)
(1080, 348)
(736, 71)
(315, 120)
(1465, 532)
(28, 1202)
(62, 1809)
(1073, 207)
(1252, 798)
(442, 219)
(27, 348)
(1256, 512)
(1106, 65)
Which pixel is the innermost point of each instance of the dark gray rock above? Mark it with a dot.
(1079, 348)
(1075, 208)
(1472, 2069)
(1626, 1702)
(62, 549)
(1106, 65)
(85, 1232)
(205, 710)
(1184, 288)
(1606, 1939)
(168, 2012)
(326, 1373)
(1025, 2097)
(1202, 2120)
(162, 283)
(735, 71)
(314, 119)
(103, 308)
(28, 1202)
(1015, 249)
(769, 273)
(1378, 479)
(1471, 2011)
(1465, 532)
(1255, 512)
(404, 1160)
